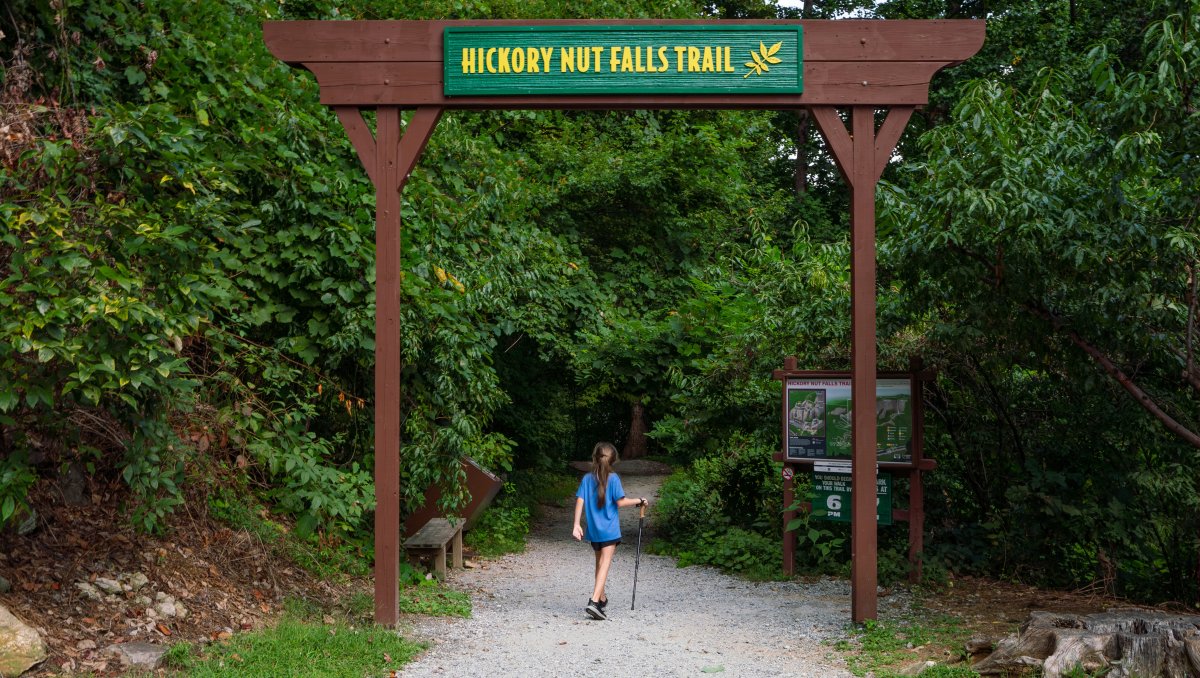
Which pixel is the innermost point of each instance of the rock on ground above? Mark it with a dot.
(528, 615)
(138, 655)
(20, 645)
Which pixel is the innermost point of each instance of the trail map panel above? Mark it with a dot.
(819, 416)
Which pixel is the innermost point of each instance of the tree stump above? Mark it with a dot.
(1124, 643)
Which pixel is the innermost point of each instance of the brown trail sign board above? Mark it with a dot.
(859, 66)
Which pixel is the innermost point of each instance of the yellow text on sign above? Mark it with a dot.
(599, 59)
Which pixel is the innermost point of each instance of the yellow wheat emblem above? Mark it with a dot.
(763, 58)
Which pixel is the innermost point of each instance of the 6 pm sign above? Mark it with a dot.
(831, 493)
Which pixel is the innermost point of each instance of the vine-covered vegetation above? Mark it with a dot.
(187, 280)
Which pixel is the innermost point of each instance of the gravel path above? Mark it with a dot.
(528, 617)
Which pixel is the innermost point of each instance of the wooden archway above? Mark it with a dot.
(389, 66)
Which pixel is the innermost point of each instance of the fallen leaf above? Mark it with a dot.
(164, 630)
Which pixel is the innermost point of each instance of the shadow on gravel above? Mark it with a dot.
(630, 467)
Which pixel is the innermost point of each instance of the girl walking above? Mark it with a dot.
(599, 496)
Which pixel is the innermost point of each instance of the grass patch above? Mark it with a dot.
(431, 598)
(886, 648)
(299, 647)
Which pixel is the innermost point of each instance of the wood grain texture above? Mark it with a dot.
(409, 84)
(416, 135)
(888, 136)
(303, 42)
(360, 135)
(387, 368)
(373, 63)
(864, 558)
(834, 131)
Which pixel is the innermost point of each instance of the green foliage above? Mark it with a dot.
(1047, 261)
(723, 511)
(505, 525)
(733, 550)
(187, 282)
(943, 671)
(882, 648)
(502, 529)
(296, 646)
(820, 546)
(431, 598)
(15, 480)
(534, 488)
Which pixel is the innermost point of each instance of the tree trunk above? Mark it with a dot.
(1119, 643)
(802, 122)
(635, 444)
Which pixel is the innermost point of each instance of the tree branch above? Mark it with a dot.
(1189, 365)
(1123, 379)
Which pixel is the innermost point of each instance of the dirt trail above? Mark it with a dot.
(528, 617)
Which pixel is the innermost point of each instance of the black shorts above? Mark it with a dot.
(597, 545)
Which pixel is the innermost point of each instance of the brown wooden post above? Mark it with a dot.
(916, 486)
(393, 157)
(789, 482)
(864, 537)
(789, 538)
(862, 157)
(387, 366)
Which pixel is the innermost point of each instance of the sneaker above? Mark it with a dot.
(594, 610)
(602, 605)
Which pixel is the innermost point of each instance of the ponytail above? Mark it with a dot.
(604, 455)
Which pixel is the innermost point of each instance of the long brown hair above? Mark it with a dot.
(604, 455)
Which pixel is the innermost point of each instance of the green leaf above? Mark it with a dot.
(135, 75)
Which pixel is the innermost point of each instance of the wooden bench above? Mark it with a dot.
(432, 540)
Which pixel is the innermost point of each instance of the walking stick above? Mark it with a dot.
(638, 558)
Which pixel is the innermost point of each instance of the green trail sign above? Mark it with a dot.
(831, 493)
(630, 59)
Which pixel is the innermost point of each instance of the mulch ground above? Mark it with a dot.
(228, 580)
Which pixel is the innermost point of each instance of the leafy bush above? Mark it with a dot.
(15, 480)
(733, 550)
(685, 508)
(723, 511)
(820, 546)
(502, 528)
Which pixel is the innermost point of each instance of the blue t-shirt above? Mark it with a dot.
(603, 522)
